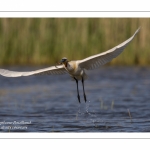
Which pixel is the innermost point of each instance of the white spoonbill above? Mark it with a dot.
(76, 68)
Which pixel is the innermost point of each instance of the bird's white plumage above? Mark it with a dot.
(50, 70)
(96, 61)
(76, 68)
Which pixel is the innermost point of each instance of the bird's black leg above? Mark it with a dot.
(83, 89)
(77, 89)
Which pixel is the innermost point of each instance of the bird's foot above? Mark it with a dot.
(85, 98)
(79, 98)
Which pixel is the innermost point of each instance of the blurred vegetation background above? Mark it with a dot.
(44, 41)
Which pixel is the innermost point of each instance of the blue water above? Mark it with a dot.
(118, 100)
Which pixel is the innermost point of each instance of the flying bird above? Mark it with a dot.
(76, 69)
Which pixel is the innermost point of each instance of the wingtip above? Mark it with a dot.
(138, 29)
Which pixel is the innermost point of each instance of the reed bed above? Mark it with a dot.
(44, 41)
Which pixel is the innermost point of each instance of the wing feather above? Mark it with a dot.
(50, 70)
(105, 57)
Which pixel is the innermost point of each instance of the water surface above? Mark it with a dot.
(118, 100)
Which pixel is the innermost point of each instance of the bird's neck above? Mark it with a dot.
(66, 64)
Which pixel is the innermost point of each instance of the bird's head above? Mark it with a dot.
(63, 60)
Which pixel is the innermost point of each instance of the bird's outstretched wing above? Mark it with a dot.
(50, 70)
(96, 61)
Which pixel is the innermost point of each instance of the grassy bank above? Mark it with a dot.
(28, 41)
